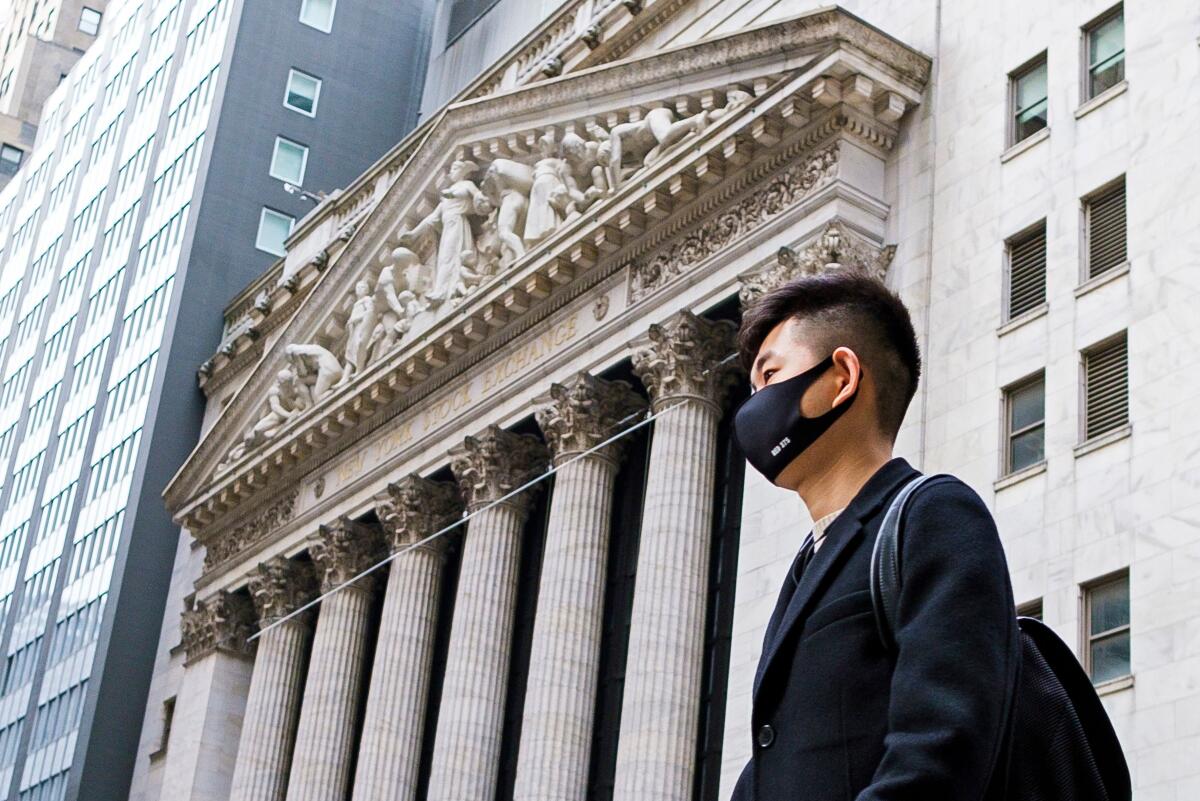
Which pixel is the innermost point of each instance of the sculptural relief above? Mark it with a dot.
(363, 317)
(551, 193)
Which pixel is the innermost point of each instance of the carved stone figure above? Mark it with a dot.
(364, 315)
(456, 253)
(507, 185)
(550, 195)
(283, 400)
(397, 308)
(316, 369)
(582, 156)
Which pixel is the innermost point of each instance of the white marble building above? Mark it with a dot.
(501, 293)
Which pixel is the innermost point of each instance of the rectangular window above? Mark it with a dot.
(318, 14)
(1025, 423)
(273, 229)
(1026, 270)
(1106, 626)
(89, 21)
(1031, 609)
(1029, 99)
(1106, 387)
(288, 161)
(10, 158)
(302, 92)
(464, 14)
(1104, 52)
(1104, 229)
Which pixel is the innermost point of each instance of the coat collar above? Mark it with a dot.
(845, 529)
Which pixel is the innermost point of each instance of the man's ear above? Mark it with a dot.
(847, 372)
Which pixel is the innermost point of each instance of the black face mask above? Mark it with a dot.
(769, 427)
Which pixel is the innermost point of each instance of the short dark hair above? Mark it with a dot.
(845, 307)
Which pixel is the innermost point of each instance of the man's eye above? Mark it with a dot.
(767, 375)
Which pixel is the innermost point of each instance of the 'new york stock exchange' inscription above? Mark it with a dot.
(451, 404)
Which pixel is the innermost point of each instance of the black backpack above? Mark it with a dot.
(1060, 744)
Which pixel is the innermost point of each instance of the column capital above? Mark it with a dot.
(494, 462)
(682, 357)
(343, 549)
(582, 412)
(220, 623)
(280, 586)
(415, 507)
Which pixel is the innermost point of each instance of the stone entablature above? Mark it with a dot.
(806, 128)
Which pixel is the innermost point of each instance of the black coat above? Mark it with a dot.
(835, 716)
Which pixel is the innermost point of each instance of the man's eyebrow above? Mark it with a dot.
(762, 357)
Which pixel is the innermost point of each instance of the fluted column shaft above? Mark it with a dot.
(269, 730)
(564, 664)
(656, 751)
(466, 750)
(328, 714)
(560, 700)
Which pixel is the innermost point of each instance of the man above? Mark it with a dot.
(834, 363)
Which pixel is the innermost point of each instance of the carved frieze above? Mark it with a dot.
(781, 193)
(221, 546)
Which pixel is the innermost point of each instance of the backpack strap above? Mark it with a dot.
(885, 564)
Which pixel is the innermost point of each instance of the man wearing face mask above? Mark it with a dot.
(836, 715)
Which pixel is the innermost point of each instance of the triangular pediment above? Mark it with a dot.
(511, 198)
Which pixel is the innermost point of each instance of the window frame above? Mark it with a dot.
(287, 91)
(1018, 238)
(1014, 77)
(1086, 89)
(299, 180)
(1007, 431)
(99, 20)
(332, 12)
(1087, 637)
(263, 214)
(1034, 607)
(1084, 355)
(4, 147)
(1085, 228)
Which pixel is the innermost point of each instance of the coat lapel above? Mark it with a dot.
(844, 531)
(837, 539)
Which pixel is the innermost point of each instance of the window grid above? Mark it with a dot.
(1104, 52)
(302, 93)
(1028, 87)
(1024, 423)
(1105, 618)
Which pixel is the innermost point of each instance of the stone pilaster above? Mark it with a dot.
(679, 363)
(278, 587)
(389, 755)
(325, 737)
(212, 698)
(467, 746)
(560, 700)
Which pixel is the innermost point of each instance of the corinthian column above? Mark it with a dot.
(278, 587)
(556, 730)
(389, 755)
(325, 739)
(467, 747)
(656, 752)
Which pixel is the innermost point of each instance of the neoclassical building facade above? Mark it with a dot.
(466, 521)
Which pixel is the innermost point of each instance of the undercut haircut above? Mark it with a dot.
(844, 308)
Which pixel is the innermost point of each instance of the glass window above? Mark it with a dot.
(302, 92)
(1029, 94)
(11, 156)
(1031, 609)
(1025, 405)
(318, 14)
(288, 161)
(1106, 615)
(89, 21)
(273, 228)
(1104, 41)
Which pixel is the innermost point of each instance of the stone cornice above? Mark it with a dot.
(595, 243)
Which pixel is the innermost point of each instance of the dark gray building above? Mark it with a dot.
(154, 193)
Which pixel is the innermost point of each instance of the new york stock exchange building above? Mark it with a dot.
(466, 521)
